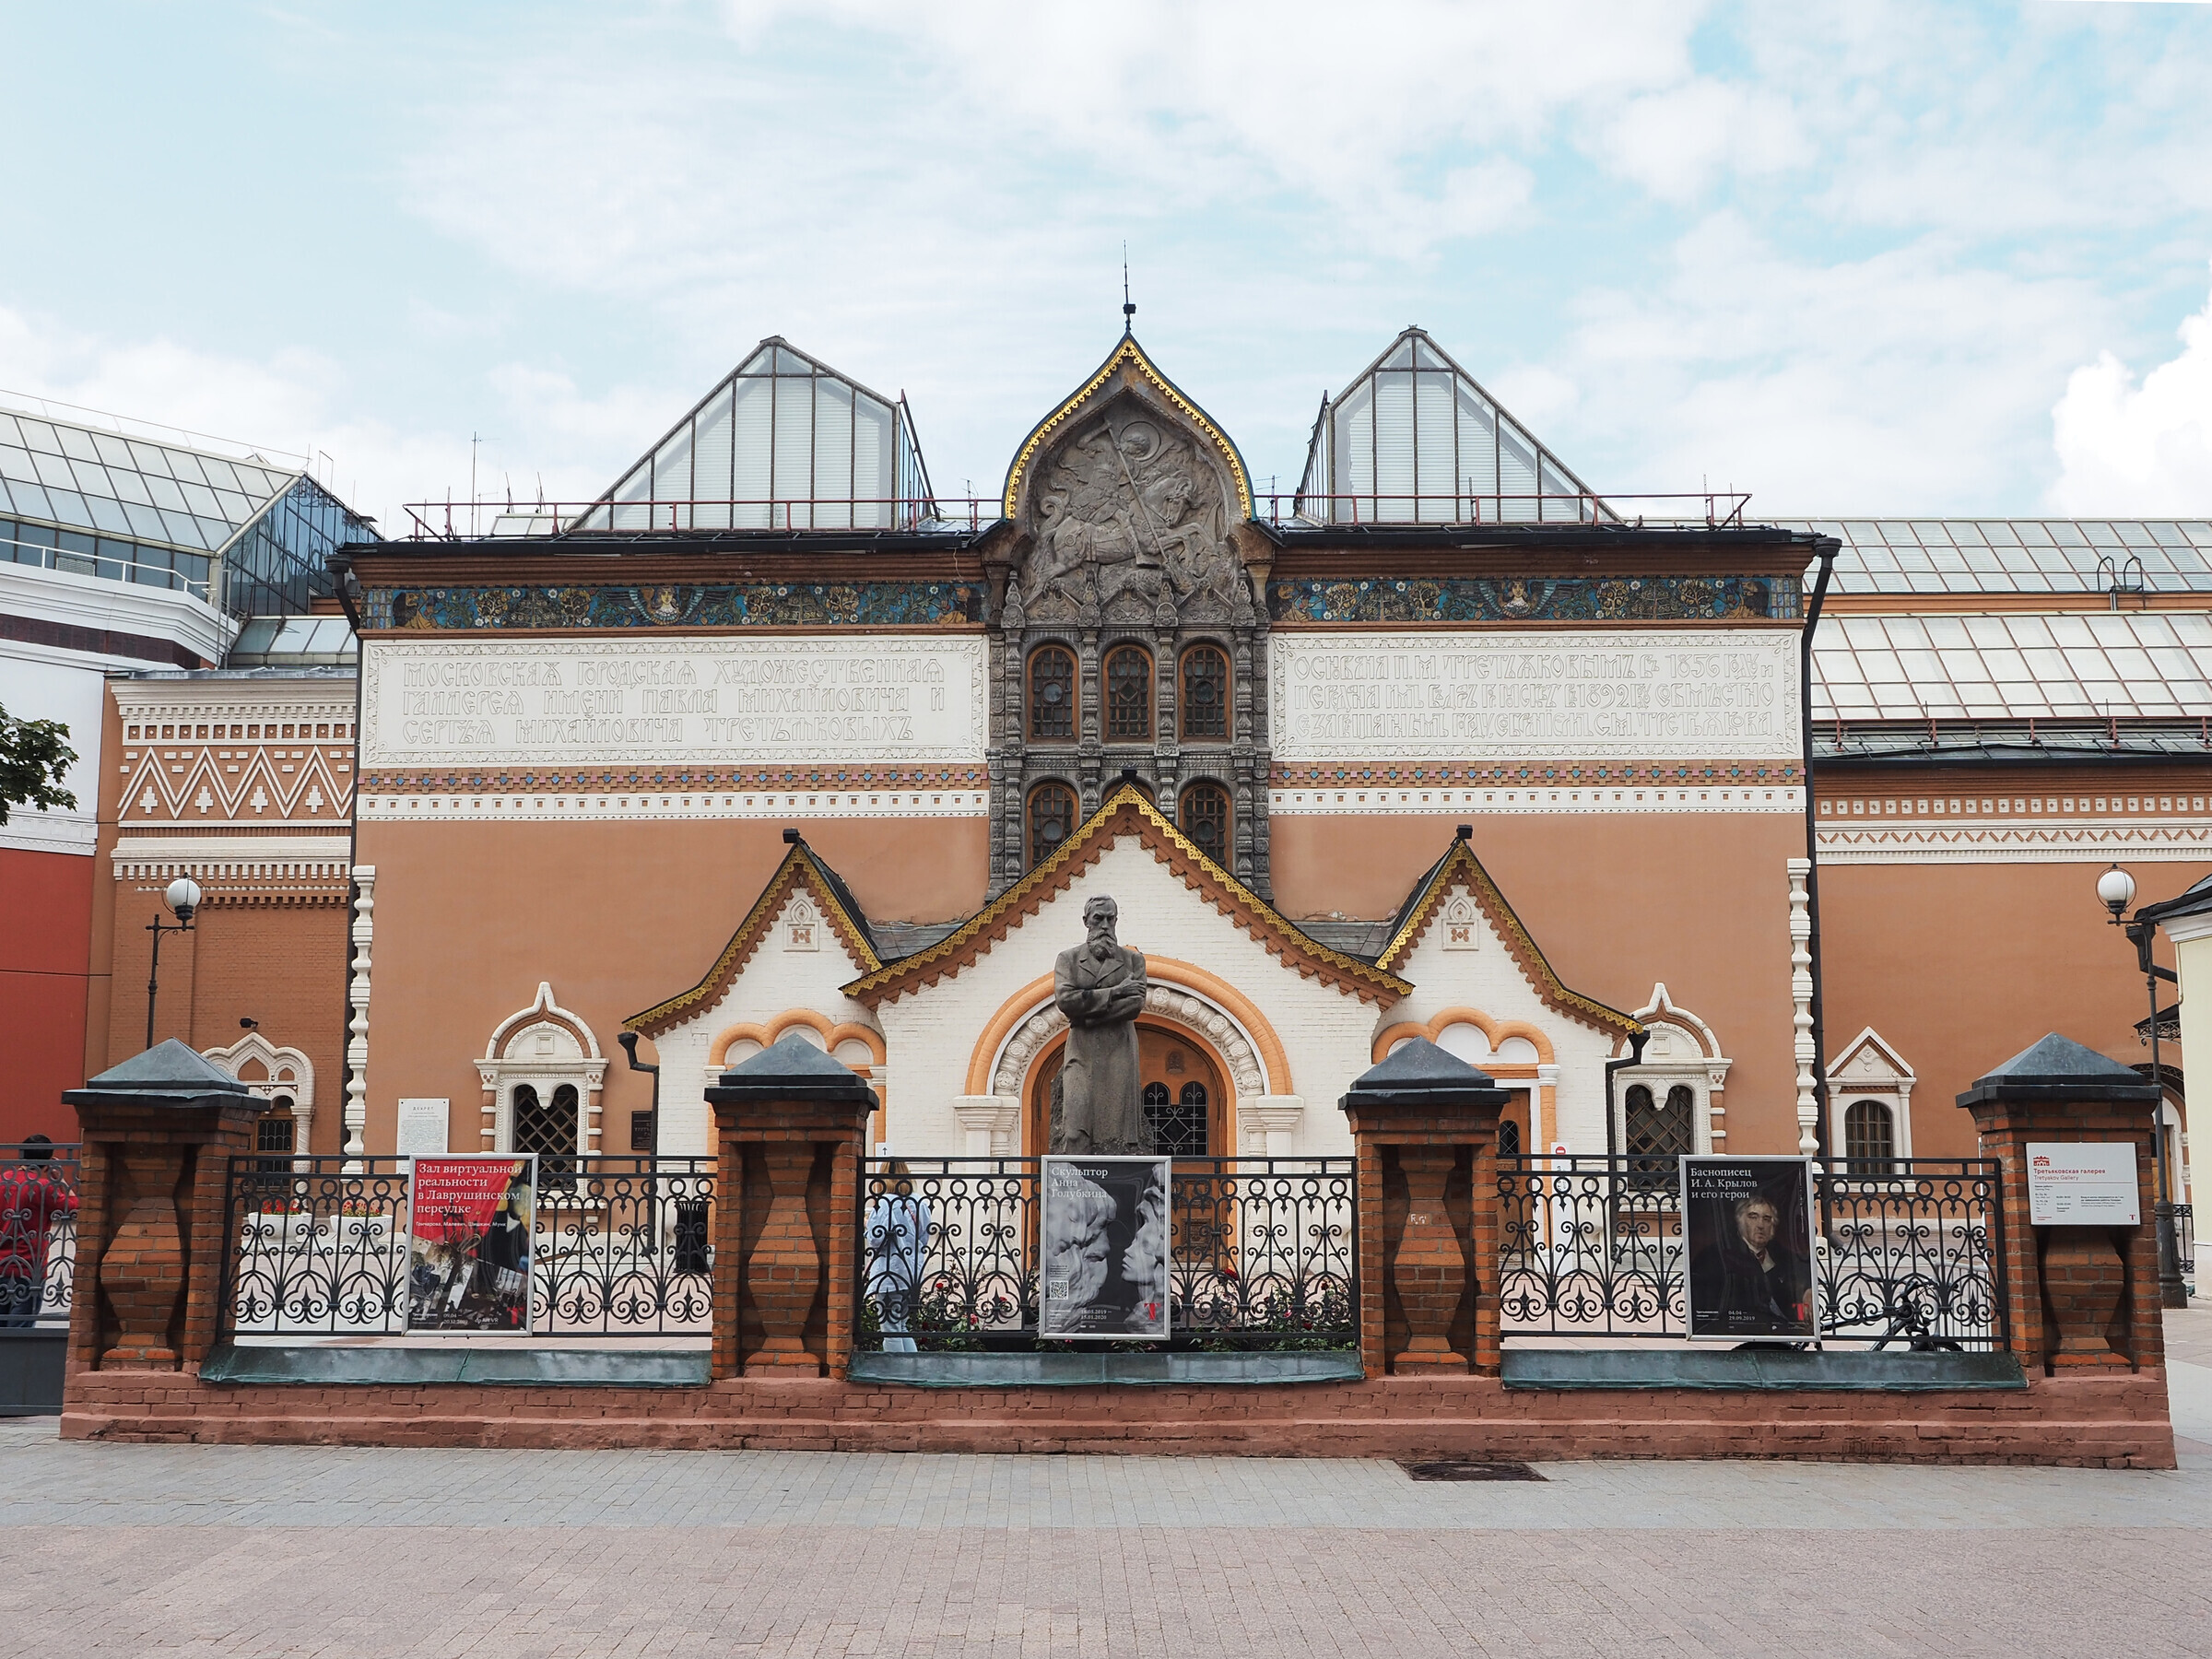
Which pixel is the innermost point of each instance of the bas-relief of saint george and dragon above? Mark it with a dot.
(1129, 523)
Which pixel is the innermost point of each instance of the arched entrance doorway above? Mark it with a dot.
(1187, 1102)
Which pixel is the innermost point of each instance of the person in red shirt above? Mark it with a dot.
(31, 1198)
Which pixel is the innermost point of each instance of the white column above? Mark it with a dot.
(1801, 1004)
(357, 1028)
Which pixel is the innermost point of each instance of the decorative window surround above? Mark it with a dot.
(1681, 1051)
(1869, 1069)
(284, 1071)
(544, 1046)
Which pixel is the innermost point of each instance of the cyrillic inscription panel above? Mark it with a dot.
(704, 701)
(1707, 694)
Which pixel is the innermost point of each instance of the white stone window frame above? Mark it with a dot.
(1869, 1068)
(288, 1073)
(543, 1046)
(1682, 1050)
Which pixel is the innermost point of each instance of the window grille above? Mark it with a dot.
(1509, 1138)
(1204, 703)
(1656, 1134)
(1128, 696)
(549, 1130)
(275, 1133)
(1869, 1131)
(1052, 819)
(1177, 1124)
(1204, 819)
(1052, 693)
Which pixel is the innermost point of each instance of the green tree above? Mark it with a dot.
(34, 755)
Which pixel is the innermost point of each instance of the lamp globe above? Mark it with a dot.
(2116, 891)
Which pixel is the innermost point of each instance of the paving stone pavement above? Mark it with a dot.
(226, 1551)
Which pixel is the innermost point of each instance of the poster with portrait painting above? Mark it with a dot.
(1104, 1242)
(1748, 1226)
(469, 1221)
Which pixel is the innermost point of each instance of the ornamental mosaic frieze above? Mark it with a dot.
(687, 604)
(1515, 599)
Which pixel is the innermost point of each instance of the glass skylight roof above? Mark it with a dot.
(784, 443)
(293, 642)
(2015, 556)
(1415, 439)
(2083, 665)
(126, 486)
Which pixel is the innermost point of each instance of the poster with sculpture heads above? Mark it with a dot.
(1105, 1247)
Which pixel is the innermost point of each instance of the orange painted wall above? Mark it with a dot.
(1615, 902)
(45, 954)
(470, 917)
(1961, 967)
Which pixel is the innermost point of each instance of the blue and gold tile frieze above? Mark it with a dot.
(1533, 599)
(697, 605)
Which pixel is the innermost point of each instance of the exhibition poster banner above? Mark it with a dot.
(469, 1221)
(1105, 1248)
(1748, 1227)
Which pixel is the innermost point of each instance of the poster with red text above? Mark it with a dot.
(469, 1252)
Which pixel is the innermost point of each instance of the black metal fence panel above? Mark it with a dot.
(1908, 1251)
(1262, 1255)
(39, 1190)
(620, 1246)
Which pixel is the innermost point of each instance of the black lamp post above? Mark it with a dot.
(2116, 889)
(184, 898)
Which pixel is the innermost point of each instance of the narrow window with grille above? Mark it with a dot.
(1052, 693)
(1204, 703)
(1052, 819)
(1128, 695)
(1869, 1132)
(1204, 819)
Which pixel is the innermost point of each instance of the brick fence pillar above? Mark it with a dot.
(2078, 1296)
(789, 1123)
(1425, 1125)
(158, 1132)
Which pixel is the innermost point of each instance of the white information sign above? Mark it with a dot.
(704, 701)
(2082, 1183)
(1707, 694)
(422, 1127)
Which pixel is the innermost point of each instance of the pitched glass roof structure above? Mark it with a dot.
(785, 443)
(294, 642)
(1415, 440)
(2054, 666)
(243, 533)
(2017, 556)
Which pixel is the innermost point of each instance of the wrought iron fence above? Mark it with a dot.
(38, 1187)
(1262, 1253)
(620, 1246)
(2184, 1237)
(1909, 1252)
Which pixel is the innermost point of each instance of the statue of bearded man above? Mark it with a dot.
(1100, 986)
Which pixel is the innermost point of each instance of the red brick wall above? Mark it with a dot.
(45, 947)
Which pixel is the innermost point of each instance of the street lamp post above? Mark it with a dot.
(184, 898)
(2116, 889)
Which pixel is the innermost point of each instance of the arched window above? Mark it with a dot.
(1509, 1138)
(1204, 819)
(1869, 1132)
(1128, 695)
(547, 1129)
(1177, 1124)
(1052, 819)
(1052, 692)
(1656, 1134)
(277, 1131)
(1204, 704)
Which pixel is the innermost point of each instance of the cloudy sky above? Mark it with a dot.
(1858, 257)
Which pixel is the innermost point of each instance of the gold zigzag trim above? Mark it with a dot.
(1046, 876)
(797, 864)
(1523, 948)
(1131, 352)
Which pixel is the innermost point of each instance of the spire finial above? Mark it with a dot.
(1128, 306)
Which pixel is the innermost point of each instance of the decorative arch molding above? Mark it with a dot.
(284, 1071)
(1496, 1032)
(767, 1032)
(1680, 1051)
(1171, 1004)
(1204, 997)
(542, 1046)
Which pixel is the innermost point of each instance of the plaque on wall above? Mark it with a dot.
(717, 700)
(2083, 1184)
(422, 1127)
(1707, 694)
(1104, 1231)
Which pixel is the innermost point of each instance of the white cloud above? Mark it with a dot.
(2138, 451)
(1679, 141)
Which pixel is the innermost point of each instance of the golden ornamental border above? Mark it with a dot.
(1129, 351)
